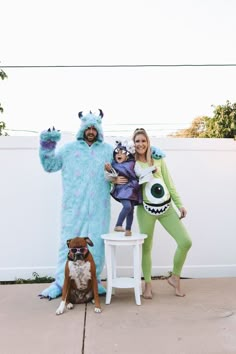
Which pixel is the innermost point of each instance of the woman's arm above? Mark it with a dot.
(170, 185)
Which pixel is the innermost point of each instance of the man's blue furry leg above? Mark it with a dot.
(52, 292)
(101, 289)
(55, 289)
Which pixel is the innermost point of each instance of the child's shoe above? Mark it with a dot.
(119, 229)
(128, 233)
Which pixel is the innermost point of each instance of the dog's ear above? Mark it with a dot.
(89, 242)
(68, 242)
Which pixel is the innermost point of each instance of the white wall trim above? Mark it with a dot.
(193, 271)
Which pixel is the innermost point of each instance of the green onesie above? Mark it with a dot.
(169, 219)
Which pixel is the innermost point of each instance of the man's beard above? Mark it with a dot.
(91, 138)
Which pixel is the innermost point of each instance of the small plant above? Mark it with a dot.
(2, 125)
(36, 279)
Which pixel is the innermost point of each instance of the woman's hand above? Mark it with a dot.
(121, 180)
(183, 212)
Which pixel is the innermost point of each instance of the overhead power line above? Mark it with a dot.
(116, 66)
(106, 130)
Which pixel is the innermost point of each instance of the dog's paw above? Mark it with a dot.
(70, 306)
(97, 310)
(61, 308)
(59, 311)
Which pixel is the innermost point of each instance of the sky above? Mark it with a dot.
(106, 32)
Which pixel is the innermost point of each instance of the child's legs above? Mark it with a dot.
(130, 216)
(127, 207)
(146, 226)
(174, 226)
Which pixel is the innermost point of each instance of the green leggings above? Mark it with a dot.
(174, 226)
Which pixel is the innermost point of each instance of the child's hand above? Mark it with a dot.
(155, 170)
(107, 167)
(183, 213)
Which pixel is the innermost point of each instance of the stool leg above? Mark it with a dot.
(137, 277)
(109, 273)
(140, 269)
(113, 260)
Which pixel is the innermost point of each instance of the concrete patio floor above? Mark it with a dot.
(202, 322)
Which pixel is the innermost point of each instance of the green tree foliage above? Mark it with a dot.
(221, 125)
(3, 76)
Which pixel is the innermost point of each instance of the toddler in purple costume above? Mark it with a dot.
(128, 194)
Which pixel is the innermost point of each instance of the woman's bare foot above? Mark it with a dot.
(174, 281)
(147, 294)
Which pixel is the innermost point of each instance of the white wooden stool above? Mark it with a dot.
(113, 240)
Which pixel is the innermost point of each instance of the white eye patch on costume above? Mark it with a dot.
(158, 197)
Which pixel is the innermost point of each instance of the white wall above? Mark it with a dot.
(204, 172)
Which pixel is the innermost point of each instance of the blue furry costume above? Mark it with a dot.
(86, 193)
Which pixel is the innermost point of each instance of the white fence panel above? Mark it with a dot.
(204, 172)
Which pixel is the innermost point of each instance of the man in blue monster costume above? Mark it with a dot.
(86, 193)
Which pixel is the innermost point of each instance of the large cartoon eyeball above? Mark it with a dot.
(156, 192)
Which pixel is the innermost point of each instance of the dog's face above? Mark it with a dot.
(78, 248)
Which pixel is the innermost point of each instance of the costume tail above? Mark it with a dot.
(52, 292)
(101, 289)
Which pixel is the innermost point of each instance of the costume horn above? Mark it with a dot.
(100, 113)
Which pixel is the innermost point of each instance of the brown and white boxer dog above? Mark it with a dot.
(80, 284)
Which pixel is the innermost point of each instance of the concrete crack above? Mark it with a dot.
(84, 329)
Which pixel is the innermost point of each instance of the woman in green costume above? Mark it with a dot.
(159, 194)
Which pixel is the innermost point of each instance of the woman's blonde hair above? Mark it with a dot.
(148, 152)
